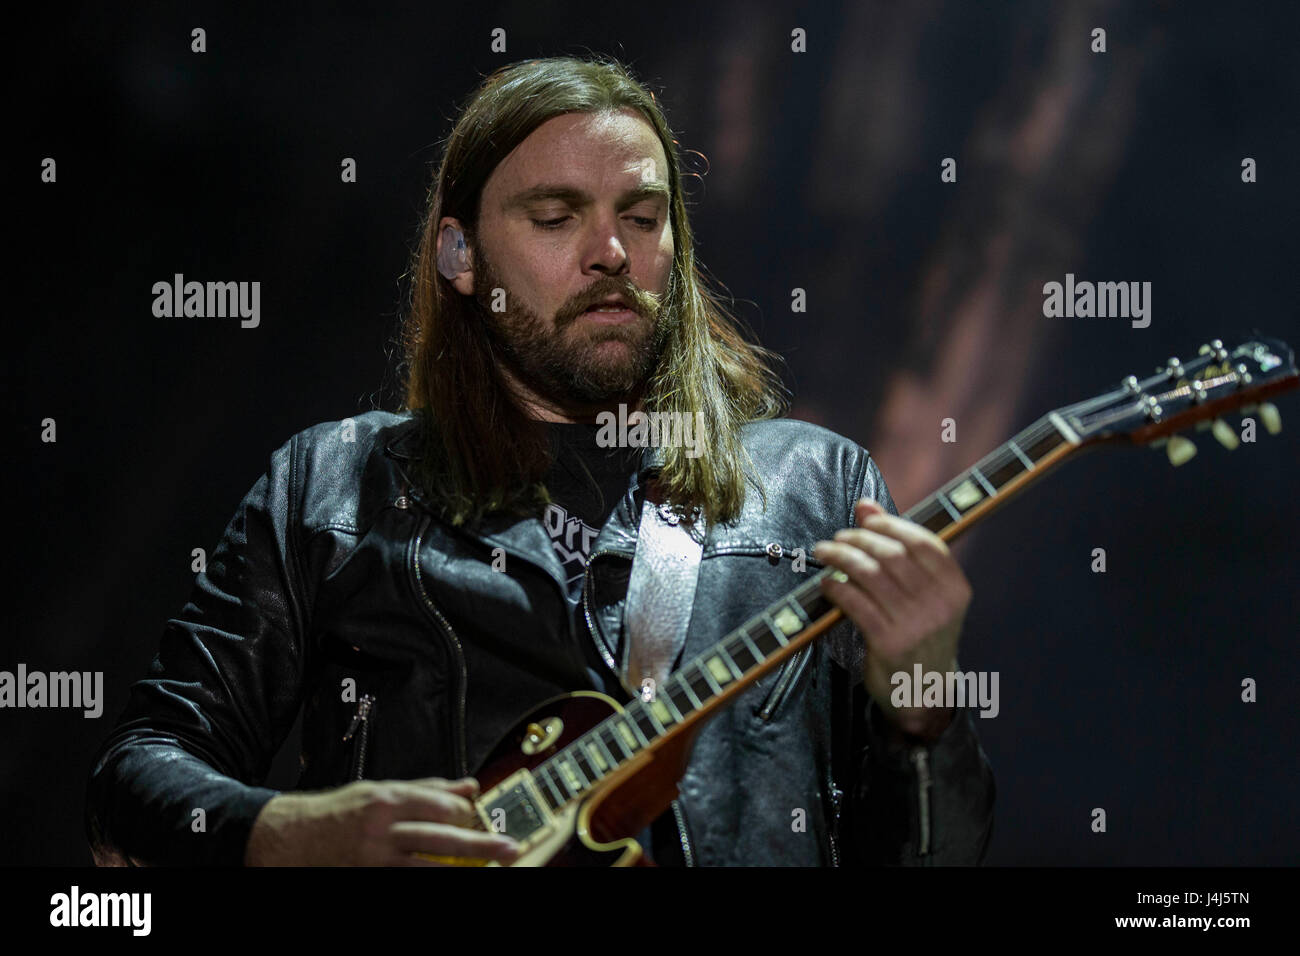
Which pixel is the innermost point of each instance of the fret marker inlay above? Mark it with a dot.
(787, 621)
(965, 495)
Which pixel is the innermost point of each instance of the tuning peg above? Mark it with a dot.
(1179, 450)
(1224, 433)
(1268, 414)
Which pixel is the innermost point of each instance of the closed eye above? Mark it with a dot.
(548, 225)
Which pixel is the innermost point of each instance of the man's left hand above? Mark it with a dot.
(908, 597)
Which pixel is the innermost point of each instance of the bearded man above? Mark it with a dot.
(414, 582)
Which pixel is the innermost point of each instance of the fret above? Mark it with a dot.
(544, 774)
(816, 604)
(696, 703)
(644, 722)
(1004, 472)
(570, 774)
(791, 619)
(947, 506)
(1062, 426)
(979, 476)
(770, 640)
(597, 758)
(617, 738)
(665, 700)
(562, 780)
(626, 739)
(935, 521)
(725, 656)
(1044, 444)
(740, 651)
(811, 599)
(697, 683)
(719, 670)
(613, 761)
(1028, 463)
(681, 697)
(651, 726)
(585, 765)
(965, 495)
(800, 611)
(749, 648)
(703, 671)
(661, 712)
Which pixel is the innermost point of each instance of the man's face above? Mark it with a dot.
(578, 213)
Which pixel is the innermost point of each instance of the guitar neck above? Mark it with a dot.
(707, 683)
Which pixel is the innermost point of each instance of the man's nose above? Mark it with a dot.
(607, 254)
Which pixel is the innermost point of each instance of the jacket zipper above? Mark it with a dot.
(688, 853)
(450, 634)
(837, 795)
(362, 721)
(922, 761)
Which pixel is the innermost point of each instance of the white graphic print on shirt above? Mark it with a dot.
(572, 539)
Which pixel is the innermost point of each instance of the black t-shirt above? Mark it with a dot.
(585, 483)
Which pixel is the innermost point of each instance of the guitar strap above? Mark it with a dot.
(660, 591)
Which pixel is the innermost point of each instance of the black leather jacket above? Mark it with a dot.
(334, 574)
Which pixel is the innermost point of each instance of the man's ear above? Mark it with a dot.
(454, 256)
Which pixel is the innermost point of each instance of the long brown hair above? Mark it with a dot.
(482, 453)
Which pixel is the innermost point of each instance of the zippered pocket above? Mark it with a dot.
(787, 679)
(359, 733)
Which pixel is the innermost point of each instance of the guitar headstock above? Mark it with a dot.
(1190, 392)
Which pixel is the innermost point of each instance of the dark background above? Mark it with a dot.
(818, 171)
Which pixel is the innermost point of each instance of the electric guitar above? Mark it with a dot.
(576, 778)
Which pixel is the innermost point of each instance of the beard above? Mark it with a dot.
(569, 360)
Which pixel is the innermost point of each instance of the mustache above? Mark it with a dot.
(645, 304)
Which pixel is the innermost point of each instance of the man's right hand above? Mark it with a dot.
(374, 823)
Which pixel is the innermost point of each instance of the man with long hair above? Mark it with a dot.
(419, 580)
